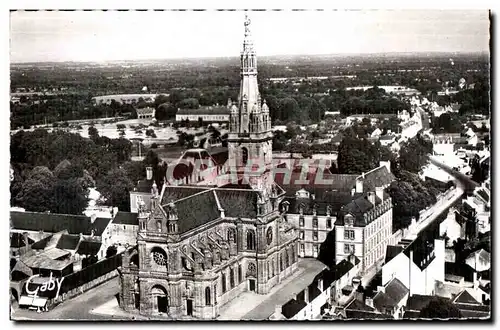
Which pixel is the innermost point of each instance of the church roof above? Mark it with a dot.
(197, 206)
(196, 210)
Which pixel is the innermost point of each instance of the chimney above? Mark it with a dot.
(26, 240)
(371, 197)
(353, 191)
(359, 183)
(380, 193)
(475, 281)
(369, 302)
(149, 173)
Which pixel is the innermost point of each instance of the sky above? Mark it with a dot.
(106, 36)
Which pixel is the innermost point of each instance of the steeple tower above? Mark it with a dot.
(250, 135)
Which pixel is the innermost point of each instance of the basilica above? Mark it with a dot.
(202, 246)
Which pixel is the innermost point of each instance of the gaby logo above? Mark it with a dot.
(47, 286)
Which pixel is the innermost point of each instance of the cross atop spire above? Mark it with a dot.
(247, 42)
(247, 26)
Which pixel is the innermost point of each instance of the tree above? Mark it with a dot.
(189, 103)
(414, 154)
(69, 197)
(93, 133)
(111, 251)
(160, 99)
(440, 308)
(115, 188)
(151, 133)
(135, 170)
(356, 156)
(166, 111)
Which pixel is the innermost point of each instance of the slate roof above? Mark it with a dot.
(343, 267)
(126, 218)
(392, 251)
(208, 110)
(17, 240)
(52, 223)
(173, 193)
(417, 302)
(238, 202)
(199, 205)
(143, 186)
(292, 307)
(41, 244)
(291, 182)
(394, 293)
(357, 208)
(89, 247)
(465, 297)
(378, 177)
(484, 259)
(323, 198)
(359, 310)
(196, 210)
(68, 242)
(41, 261)
(313, 290)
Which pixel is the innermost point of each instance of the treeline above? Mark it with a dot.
(53, 171)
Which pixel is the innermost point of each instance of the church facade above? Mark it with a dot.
(200, 247)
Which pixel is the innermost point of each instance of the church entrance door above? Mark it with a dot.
(251, 284)
(189, 307)
(162, 304)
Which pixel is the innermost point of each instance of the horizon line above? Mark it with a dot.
(479, 52)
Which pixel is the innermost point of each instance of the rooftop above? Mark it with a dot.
(52, 223)
(125, 218)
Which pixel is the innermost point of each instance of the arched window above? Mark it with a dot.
(281, 262)
(244, 158)
(292, 253)
(240, 274)
(207, 296)
(223, 283)
(250, 240)
(231, 278)
(158, 225)
(287, 261)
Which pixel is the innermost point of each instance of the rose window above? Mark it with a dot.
(159, 257)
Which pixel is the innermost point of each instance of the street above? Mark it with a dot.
(77, 308)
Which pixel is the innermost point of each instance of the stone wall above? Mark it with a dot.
(81, 289)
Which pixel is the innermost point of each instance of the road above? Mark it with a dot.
(461, 179)
(77, 308)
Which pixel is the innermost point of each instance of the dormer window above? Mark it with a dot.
(348, 220)
(158, 225)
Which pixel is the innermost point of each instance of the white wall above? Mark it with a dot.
(420, 282)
